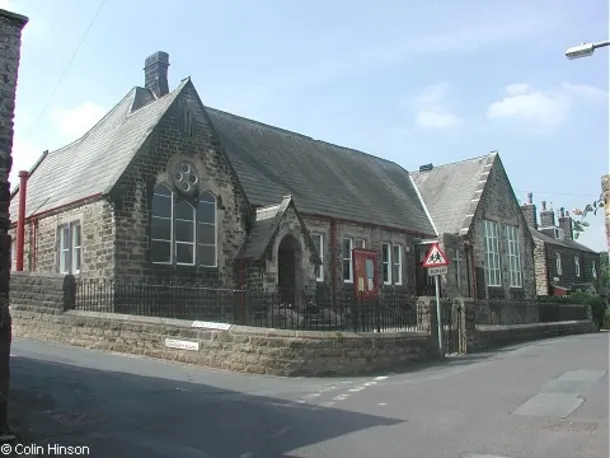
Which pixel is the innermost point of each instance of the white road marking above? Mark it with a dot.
(382, 404)
(246, 455)
(341, 396)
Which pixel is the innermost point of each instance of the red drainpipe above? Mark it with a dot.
(333, 256)
(23, 183)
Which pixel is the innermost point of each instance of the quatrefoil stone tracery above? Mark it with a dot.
(185, 177)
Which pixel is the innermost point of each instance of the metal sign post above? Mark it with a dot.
(436, 262)
(439, 320)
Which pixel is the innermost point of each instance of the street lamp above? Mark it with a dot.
(585, 49)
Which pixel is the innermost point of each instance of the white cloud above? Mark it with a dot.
(74, 122)
(432, 109)
(547, 108)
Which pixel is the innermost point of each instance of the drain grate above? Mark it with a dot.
(73, 418)
(571, 426)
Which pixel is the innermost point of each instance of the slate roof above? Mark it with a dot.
(448, 190)
(324, 179)
(92, 164)
(262, 231)
(572, 244)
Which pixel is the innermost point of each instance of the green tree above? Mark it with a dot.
(579, 224)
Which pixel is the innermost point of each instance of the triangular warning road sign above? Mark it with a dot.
(435, 257)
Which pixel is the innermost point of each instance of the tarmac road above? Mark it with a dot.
(545, 399)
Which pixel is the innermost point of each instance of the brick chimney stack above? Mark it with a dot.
(565, 223)
(155, 73)
(547, 216)
(529, 212)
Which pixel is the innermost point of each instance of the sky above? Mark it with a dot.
(413, 82)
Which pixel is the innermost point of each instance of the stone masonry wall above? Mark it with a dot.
(456, 282)
(305, 275)
(483, 337)
(134, 192)
(11, 26)
(373, 238)
(540, 271)
(31, 289)
(97, 240)
(498, 203)
(43, 310)
(253, 350)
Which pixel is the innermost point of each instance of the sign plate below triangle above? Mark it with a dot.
(435, 257)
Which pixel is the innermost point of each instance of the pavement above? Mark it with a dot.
(543, 399)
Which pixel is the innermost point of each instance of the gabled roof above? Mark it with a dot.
(448, 191)
(325, 179)
(270, 162)
(565, 243)
(265, 226)
(92, 164)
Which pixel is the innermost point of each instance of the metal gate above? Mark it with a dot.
(451, 314)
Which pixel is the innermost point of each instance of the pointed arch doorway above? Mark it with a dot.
(290, 278)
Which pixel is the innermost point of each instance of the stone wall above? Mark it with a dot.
(244, 349)
(42, 309)
(487, 336)
(32, 289)
(498, 203)
(96, 219)
(168, 144)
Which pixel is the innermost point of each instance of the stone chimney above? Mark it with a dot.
(529, 211)
(565, 223)
(155, 73)
(547, 216)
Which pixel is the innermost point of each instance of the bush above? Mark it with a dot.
(597, 303)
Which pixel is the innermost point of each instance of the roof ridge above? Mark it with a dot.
(461, 161)
(260, 123)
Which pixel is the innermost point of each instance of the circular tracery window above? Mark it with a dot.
(185, 177)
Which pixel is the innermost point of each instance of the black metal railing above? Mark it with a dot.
(312, 310)
(554, 312)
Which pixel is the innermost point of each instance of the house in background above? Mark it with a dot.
(165, 187)
(481, 228)
(562, 264)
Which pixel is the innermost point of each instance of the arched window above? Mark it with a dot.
(181, 234)
(161, 225)
(206, 229)
(184, 220)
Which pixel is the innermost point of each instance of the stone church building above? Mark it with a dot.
(481, 228)
(166, 187)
